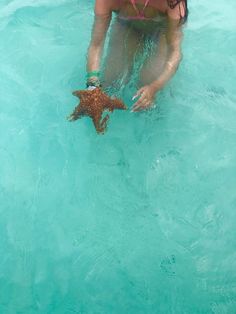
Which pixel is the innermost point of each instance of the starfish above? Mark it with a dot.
(92, 104)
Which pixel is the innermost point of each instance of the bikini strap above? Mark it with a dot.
(146, 4)
(133, 2)
(140, 13)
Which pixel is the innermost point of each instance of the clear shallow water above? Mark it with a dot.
(141, 220)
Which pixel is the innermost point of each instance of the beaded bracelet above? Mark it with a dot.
(95, 83)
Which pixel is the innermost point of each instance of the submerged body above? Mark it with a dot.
(136, 23)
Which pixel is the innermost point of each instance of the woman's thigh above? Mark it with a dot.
(154, 62)
(123, 45)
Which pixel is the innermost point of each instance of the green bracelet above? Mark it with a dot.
(93, 73)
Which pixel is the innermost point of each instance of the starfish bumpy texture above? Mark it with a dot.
(92, 104)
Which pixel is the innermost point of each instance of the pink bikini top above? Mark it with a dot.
(171, 3)
(140, 14)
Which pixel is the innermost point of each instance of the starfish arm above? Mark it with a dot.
(76, 114)
(81, 93)
(104, 122)
(118, 104)
(114, 103)
(96, 121)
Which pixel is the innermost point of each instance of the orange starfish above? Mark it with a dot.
(92, 104)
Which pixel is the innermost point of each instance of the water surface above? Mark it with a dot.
(140, 220)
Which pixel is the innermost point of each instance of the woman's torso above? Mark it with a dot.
(140, 16)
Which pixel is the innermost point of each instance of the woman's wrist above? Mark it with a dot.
(156, 85)
(95, 82)
(93, 79)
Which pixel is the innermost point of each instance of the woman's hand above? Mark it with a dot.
(147, 95)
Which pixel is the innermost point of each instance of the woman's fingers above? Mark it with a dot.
(141, 105)
(139, 92)
(145, 100)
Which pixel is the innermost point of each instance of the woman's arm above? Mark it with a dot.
(174, 39)
(102, 20)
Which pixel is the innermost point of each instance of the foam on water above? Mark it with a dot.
(140, 220)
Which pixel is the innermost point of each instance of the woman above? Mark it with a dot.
(137, 23)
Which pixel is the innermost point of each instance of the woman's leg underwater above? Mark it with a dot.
(155, 62)
(123, 45)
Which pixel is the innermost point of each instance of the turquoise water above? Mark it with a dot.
(140, 220)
